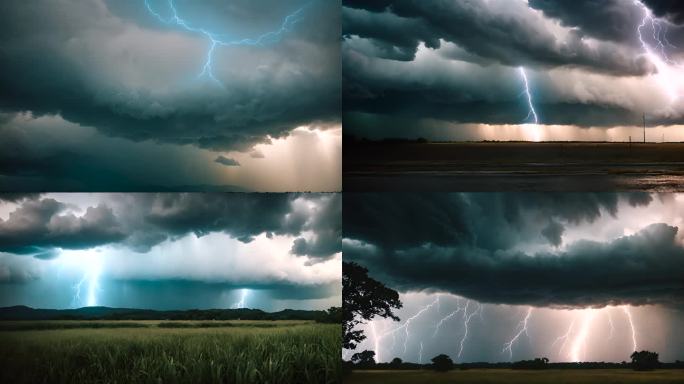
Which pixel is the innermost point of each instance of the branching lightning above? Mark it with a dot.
(572, 345)
(465, 324)
(216, 39)
(656, 50)
(522, 328)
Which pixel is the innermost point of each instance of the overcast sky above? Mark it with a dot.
(584, 265)
(149, 94)
(171, 251)
(454, 69)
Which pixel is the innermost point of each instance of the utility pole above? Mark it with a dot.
(644, 116)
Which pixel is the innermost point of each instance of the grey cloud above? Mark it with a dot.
(40, 225)
(493, 221)
(226, 161)
(501, 30)
(645, 268)
(141, 221)
(553, 232)
(95, 71)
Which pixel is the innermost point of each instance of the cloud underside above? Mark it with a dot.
(116, 68)
(41, 226)
(479, 246)
(459, 62)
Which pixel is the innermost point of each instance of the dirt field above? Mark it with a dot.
(493, 376)
(515, 166)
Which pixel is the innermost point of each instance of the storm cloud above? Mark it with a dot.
(458, 62)
(42, 225)
(521, 249)
(143, 83)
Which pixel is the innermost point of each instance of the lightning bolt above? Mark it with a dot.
(532, 112)
(420, 354)
(241, 303)
(579, 346)
(405, 327)
(631, 325)
(447, 317)
(522, 328)
(465, 324)
(610, 321)
(563, 337)
(91, 277)
(216, 39)
(658, 54)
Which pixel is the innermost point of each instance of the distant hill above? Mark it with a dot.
(21, 312)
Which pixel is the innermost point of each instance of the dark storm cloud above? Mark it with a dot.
(491, 221)
(141, 221)
(17, 197)
(671, 9)
(96, 70)
(227, 161)
(469, 72)
(604, 19)
(645, 268)
(39, 225)
(504, 31)
(470, 245)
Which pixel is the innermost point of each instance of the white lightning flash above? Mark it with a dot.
(522, 328)
(465, 324)
(87, 288)
(532, 112)
(631, 325)
(242, 302)
(655, 49)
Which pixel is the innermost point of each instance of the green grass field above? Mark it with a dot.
(493, 376)
(169, 352)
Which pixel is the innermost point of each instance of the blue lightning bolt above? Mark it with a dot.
(241, 303)
(216, 39)
(532, 112)
(91, 277)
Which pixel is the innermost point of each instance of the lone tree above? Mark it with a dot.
(644, 361)
(365, 358)
(442, 363)
(396, 362)
(362, 299)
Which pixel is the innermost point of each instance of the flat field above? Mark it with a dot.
(513, 166)
(493, 376)
(169, 352)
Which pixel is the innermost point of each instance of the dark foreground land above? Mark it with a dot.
(512, 166)
(123, 351)
(493, 376)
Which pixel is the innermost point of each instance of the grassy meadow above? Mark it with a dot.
(169, 352)
(493, 376)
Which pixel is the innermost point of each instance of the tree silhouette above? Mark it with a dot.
(363, 298)
(644, 360)
(442, 363)
(396, 362)
(365, 358)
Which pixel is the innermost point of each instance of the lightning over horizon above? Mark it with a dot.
(528, 95)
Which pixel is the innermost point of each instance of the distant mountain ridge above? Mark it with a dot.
(21, 312)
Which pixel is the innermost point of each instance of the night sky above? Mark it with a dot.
(103, 95)
(456, 70)
(171, 251)
(595, 275)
